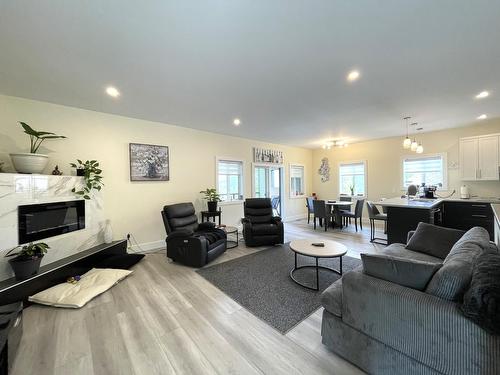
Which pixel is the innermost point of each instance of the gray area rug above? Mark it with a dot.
(261, 283)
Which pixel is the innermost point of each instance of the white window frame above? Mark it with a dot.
(242, 182)
(365, 165)
(290, 166)
(444, 158)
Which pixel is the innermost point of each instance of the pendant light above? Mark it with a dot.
(414, 143)
(407, 141)
(419, 149)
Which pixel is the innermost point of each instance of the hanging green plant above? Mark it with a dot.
(91, 175)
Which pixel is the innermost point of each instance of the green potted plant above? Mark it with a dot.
(212, 198)
(351, 188)
(33, 162)
(92, 177)
(27, 261)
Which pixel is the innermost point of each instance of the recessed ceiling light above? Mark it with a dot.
(112, 91)
(482, 94)
(482, 117)
(353, 75)
(236, 122)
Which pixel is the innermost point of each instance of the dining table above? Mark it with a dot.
(336, 206)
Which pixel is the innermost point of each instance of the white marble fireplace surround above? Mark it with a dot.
(20, 189)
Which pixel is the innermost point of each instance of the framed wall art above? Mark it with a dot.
(148, 162)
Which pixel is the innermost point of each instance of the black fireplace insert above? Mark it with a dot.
(39, 221)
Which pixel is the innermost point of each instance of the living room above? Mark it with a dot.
(249, 188)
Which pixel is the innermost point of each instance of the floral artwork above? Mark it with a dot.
(148, 162)
(324, 170)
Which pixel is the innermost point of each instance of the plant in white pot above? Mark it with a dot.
(27, 261)
(32, 162)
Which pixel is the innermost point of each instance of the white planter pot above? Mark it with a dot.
(29, 163)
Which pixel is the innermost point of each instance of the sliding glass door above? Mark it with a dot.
(268, 183)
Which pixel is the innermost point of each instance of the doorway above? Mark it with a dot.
(268, 183)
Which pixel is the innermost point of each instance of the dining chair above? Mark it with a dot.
(357, 214)
(374, 214)
(310, 208)
(346, 208)
(321, 212)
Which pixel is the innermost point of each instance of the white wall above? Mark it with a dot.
(384, 156)
(134, 207)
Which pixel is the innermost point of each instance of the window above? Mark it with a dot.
(352, 178)
(429, 169)
(297, 186)
(230, 180)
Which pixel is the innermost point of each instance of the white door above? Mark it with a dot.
(488, 158)
(468, 159)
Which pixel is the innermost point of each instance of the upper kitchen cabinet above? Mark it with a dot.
(479, 158)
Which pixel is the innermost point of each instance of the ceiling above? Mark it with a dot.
(279, 66)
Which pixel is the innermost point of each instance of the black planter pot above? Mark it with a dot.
(25, 268)
(80, 172)
(212, 206)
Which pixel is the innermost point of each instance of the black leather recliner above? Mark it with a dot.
(189, 242)
(260, 227)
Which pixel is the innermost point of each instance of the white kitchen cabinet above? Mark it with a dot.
(479, 158)
(488, 158)
(468, 159)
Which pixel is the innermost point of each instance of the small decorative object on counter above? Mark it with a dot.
(27, 261)
(32, 162)
(1, 166)
(108, 232)
(56, 171)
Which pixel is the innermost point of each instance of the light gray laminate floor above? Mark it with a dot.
(166, 319)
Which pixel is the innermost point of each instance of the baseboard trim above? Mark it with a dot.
(295, 217)
(146, 246)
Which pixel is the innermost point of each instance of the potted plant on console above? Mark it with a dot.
(212, 198)
(33, 162)
(92, 177)
(27, 261)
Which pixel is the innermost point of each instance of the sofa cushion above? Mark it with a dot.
(433, 240)
(406, 272)
(398, 250)
(482, 300)
(264, 229)
(451, 281)
(331, 298)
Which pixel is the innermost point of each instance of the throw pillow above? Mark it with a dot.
(482, 300)
(406, 272)
(433, 240)
(453, 279)
(122, 261)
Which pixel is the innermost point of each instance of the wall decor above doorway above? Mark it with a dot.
(261, 155)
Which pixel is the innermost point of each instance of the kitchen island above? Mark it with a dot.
(403, 214)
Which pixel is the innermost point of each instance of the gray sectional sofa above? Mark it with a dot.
(387, 328)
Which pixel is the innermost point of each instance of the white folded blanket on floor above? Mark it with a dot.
(91, 284)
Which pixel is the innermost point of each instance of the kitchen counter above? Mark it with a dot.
(496, 212)
(431, 203)
(403, 214)
(410, 203)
